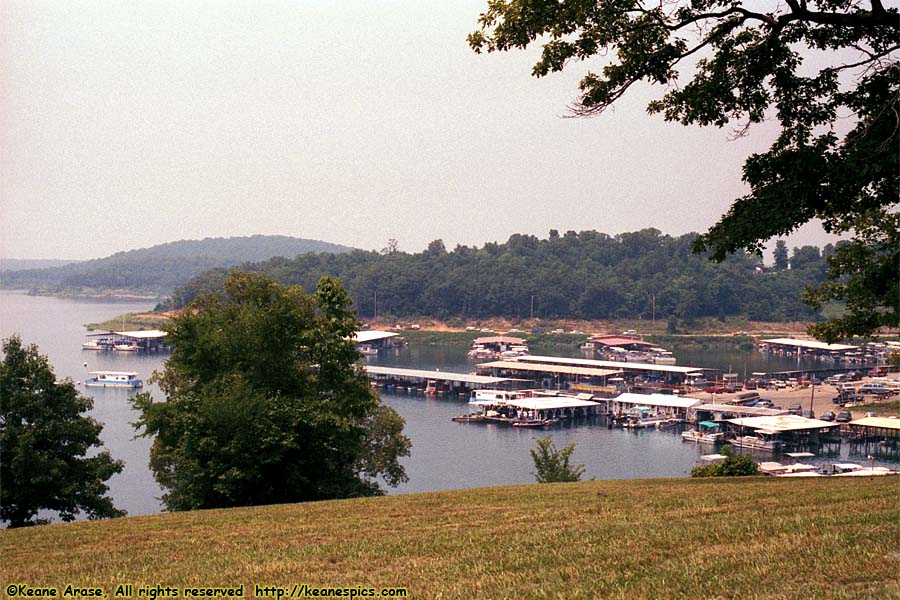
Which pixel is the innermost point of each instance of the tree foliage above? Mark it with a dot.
(265, 402)
(818, 67)
(552, 464)
(45, 439)
(734, 465)
(579, 275)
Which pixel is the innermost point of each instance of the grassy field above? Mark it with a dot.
(748, 538)
(884, 408)
(132, 322)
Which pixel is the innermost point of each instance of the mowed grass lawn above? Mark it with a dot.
(726, 538)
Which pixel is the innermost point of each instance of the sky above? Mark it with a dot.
(129, 124)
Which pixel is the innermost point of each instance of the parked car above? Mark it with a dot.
(795, 408)
(847, 396)
(871, 414)
(751, 384)
(715, 389)
(878, 372)
(843, 417)
(808, 414)
(873, 388)
(827, 416)
(763, 403)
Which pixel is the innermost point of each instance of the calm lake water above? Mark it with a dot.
(445, 455)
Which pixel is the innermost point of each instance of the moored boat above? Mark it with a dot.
(120, 379)
(706, 433)
(470, 418)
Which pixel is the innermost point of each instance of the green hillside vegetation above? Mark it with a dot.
(158, 270)
(687, 538)
(586, 275)
(15, 264)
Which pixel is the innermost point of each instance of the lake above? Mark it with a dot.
(445, 454)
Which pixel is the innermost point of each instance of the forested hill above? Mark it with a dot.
(586, 275)
(15, 264)
(160, 269)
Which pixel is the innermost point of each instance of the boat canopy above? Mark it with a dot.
(709, 424)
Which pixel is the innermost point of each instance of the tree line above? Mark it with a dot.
(579, 275)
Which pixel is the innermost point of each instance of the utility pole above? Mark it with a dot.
(532, 306)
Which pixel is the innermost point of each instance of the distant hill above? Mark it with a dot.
(21, 264)
(160, 269)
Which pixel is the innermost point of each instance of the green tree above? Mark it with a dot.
(551, 464)
(734, 465)
(266, 402)
(44, 441)
(747, 64)
(781, 255)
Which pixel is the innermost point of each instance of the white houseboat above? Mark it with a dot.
(120, 379)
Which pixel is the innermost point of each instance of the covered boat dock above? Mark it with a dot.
(370, 342)
(794, 432)
(549, 375)
(417, 380)
(663, 404)
(723, 412)
(791, 346)
(875, 436)
(151, 340)
(539, 406)
(564, 372)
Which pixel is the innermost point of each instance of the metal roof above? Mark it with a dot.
(542, 368)
(657, 400)
(742, 410)
(363, 337)
(131, 373)
(143, 335)
(809, 344)
(615, 340)
(583, 362)
(437, 375)
(783, 423)
(552, 403)
(538, 402)
(499, 339)
(883, 422)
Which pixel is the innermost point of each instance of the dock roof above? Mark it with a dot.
(616, 340)
(783, 423)
(545, 368)
(148, 334)
(363, 337)
(437, 375)
(499, 339)
(882, 422)
(609, 364)
(656, 400)
(739, 409)
(809, 344)
(540, 402)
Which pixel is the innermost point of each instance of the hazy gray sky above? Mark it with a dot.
(128, 124)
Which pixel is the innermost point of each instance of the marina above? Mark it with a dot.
(444, 451)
